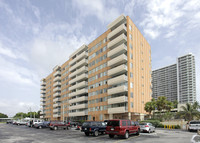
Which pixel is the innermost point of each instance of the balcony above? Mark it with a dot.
(83, 62)
(56, 105)
(120, 99)
(42, 96)
(42, 100)
(56, 94)
(78, 92)
(117, 70)
(118, 60)
(43, 83)
(79, 71)
(58, 78)
(83, 76)
(79, 85)
(79, 99)
(41, 117)
(121, 19)
(57, 84)
(117, 80)
(57, 73)
(119, 89)
(56, 89)
(56, 110)
(43, 92)
(121, 49)
(83, 113)
(119, 30)
(117, 110)
(78, 57)
(117, 41)
(80, 106)
(56, 99)
(42, 88)
(56, 115)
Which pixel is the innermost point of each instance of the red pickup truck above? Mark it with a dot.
(122, 128)
(55, 125)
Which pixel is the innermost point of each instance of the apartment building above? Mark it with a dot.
(176, 82)
(110, 78)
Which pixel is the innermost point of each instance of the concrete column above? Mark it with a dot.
(129, 115)
(110, 116)
(141, 117)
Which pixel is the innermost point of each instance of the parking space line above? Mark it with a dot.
(126, 139)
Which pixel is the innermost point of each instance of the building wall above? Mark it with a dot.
(133, 78)
(165, 82)
(176, 82)
(141, 68)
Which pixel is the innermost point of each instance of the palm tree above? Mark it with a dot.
(161, 103)
(190, 111)
(169, 105)
(150, 106)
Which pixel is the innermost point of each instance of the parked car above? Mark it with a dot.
(21, 122)
(9, 122)
(72, 123)
(37, 121)
(55, 125)
(44, 124)
(122, 128)
(78, 126)
(147, 127)
(194, 125)
(93, 128)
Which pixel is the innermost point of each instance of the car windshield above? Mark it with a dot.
(113, 123)
(86, 124)
(143, 123)
(195, 122)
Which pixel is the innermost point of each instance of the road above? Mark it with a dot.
(23, 134)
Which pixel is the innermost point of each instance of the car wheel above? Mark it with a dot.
(111, 136)
(87, 134)
(55, 128)
(126, 135)
(138, 132)
(40, 127)
(96, 133)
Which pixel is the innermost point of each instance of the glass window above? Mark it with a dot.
(123, 123)
(130, 27)
(128, 123)
(130, 45)
(131, 94)
(130, 36)
(131, 65)
(131, 55)
(131, 84)
(131, 74)
(131, 104)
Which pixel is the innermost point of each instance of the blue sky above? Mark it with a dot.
(36, 35)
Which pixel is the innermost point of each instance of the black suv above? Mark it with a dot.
(93, 128)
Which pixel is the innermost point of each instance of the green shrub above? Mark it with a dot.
(177, 127)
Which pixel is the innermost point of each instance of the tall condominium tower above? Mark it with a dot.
(177, 82)
(110, 78)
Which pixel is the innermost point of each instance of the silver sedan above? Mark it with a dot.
(147, 127)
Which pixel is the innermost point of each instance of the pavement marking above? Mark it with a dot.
(126, 139)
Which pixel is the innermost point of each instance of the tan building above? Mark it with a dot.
(108, 79)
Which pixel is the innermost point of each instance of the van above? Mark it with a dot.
(123, 128)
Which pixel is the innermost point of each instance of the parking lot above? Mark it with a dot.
(22, 134)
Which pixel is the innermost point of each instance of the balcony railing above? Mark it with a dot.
(78, 92)
(118, 60)
(79, 99)
(117, 80)
(117, 70)
(118, 89)
(120, 99)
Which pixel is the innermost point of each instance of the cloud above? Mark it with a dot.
(98, 8)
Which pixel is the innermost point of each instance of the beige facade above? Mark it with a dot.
(106, 79)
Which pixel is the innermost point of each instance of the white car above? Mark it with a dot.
(194, 125)
(147, 127)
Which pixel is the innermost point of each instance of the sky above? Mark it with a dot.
(36, 35)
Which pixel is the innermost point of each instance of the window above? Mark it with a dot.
(131, 94)
(89, 117)
(131, 84)
(123, 123)
(131, 74)
(131, 104)
(131, 65)
(130, 36)
(101, 117)
(130, 45)
(131, 55)
(128, 123)
(130, 27)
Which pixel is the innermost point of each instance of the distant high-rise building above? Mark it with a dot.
(176, 82)
(109, 78)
